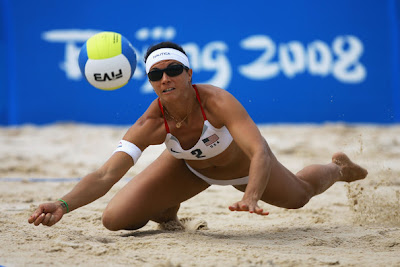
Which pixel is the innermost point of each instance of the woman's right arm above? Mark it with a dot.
(147, 130)
(90, 188)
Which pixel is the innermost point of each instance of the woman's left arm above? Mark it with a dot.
(248, 137)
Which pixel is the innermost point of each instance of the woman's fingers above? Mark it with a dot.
(46, 219)
(234, 207)
(39, 219)
(244, 207)
(45, 214)
(260, 211)
(35, 215)
(238, 206)
(32, 218)
(53, 220)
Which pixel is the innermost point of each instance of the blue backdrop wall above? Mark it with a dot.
(286, 61)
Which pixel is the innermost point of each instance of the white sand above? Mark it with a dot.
(350, 225)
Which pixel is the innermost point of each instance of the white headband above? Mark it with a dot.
(166, 54)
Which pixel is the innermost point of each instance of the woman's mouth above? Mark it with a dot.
(168, 90)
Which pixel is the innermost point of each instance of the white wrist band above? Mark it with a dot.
(130, 149)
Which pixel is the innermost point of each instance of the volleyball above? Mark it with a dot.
(107, 60)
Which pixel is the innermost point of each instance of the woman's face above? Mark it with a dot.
(171, 86)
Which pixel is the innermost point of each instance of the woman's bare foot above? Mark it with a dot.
(168, 220)
(349, 171)
(187, 224)
(193, 224)
(173, 225)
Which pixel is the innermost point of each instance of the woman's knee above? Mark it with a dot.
(299, 201)
(304, 192)
(116, 222)
(110, 221)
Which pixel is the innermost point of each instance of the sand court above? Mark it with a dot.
(354, 224)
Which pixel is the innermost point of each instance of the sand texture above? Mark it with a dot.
(355, 224)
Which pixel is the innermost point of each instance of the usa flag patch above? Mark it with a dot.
(210, 140)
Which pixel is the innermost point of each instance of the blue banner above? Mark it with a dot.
(286, 61)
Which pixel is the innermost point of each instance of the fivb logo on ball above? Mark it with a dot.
(107, 60)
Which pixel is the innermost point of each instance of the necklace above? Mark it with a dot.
(178, 123)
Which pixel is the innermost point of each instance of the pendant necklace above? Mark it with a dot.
(178, 123)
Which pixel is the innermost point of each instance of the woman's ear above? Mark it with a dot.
(190, 73)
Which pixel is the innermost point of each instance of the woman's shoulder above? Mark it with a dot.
(211, 90)
(149, 128)
(213, 97)
(152, 117)
(153, 112)
(217, 102)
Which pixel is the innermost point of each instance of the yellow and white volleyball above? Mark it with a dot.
(107, 60)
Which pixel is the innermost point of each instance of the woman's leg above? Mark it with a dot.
(287, 190)
(154, 194)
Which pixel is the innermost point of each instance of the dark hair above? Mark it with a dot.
(162, 45)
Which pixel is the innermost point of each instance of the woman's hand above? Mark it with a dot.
(47, 214)
(248, 205)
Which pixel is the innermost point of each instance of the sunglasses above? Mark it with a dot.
(171, 71)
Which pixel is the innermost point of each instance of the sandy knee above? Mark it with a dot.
(296, 200)
(109, 221)
(115, 222)
(299, 202)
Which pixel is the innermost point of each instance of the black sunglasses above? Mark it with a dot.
(171, 71)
